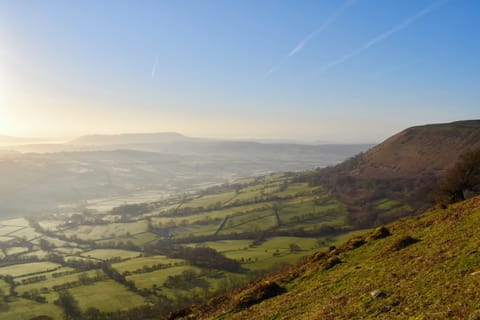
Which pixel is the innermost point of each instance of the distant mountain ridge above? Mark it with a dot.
(130, 138)
(9, 140)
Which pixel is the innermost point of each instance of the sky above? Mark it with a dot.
(323, 70)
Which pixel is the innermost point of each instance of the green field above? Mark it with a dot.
(138, 263)
(6, 230)
(106, 296)
(105, 254)
(158, 277)
(27, 309)
(210, 200)
(28, 268)
(51, 281)
(112, 230)
(247, 223)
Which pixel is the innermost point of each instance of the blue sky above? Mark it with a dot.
(337, 71)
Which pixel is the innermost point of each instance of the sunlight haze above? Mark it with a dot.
(341, 71)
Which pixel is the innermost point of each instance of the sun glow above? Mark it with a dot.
(5, 116)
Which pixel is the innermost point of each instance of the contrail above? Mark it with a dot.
(299, 47)
(330, 19)
(154, 69)
(383, 36)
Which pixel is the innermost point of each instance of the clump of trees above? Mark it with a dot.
(205, 257)
(462, 180)
(69, 304)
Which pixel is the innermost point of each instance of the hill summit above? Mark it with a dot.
(403, 170)
(420, 151)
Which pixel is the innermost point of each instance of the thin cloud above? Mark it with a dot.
(299, 47)
(383, 36)
(330, 19)
(154, 69)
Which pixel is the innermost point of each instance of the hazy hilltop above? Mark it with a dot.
(9, 141)
(38, 177)
(404, 168)
(423, 267)
(130, 138)
(172, 142)
(419, 151)
(150, 247)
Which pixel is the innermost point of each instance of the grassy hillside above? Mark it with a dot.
(422, 267)
(137, 255)
(420, 151)
(404, 168)
(154, 256)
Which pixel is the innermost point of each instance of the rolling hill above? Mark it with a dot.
(419, 151)
(151, 255)
(422, 267)
(40, 177)
(402, 169)
(131, 138)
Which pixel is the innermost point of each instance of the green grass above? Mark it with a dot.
(209, 200)
(296, 200)
(255, 221)
(158, 277)
(15, 250)
(435, 278)
(4, 286)
(22, 222)
(139, 263)
(50, 224)
(195, 230)
(248, 195)
(225, 245)
(68, 250)
(105, 254)
(143, 238)
(262, 256)
(106, 296)
(39, 254)
(6, 238)
(55, 241)
(245, 181)
(388, 204)
(27, 309)
(306, 214)
(113, 230)
(105, 205)
(17, 270)
(51, 281)
(6, 230)
(26, 233)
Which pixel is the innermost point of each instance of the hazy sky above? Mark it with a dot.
(318, 70)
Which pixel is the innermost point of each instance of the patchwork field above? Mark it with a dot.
(142, 262)
(121, 255)
(106, 254)
(28, 268)
(111, 295)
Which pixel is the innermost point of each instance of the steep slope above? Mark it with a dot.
(422, 267)
(422, 150)
(396, 177)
